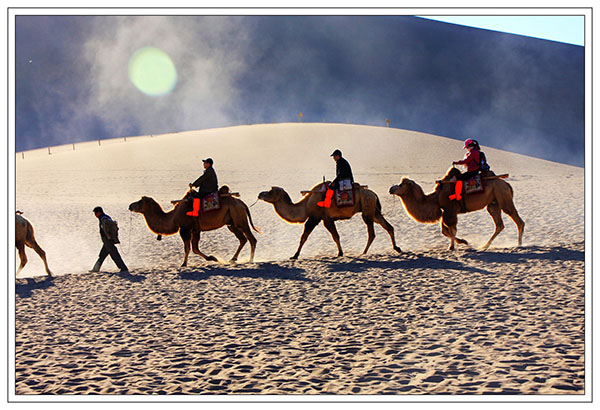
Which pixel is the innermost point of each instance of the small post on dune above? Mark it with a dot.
(23, 154)
(49, 153)
(73, 147)
(99, 144)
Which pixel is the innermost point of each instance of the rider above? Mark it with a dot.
(472, 161)
(343, 178)
(206, 184)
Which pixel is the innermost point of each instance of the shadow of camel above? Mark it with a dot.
(520, 255)
(24, 290)
(261, 270)
(359, 265)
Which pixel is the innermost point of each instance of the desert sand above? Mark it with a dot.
(507, 321)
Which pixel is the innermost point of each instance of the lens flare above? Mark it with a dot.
(152, 71)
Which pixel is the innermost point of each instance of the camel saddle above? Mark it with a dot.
(346, 197)
(475, 185)
(211, 202)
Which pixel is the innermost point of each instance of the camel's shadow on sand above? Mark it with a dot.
(530, 253)
(261, 270)
(25, 290)
(406, 261)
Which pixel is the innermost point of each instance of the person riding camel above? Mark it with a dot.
(472, 161)
(206, 184)
(343, 178)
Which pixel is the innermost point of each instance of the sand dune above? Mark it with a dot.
(427, 321)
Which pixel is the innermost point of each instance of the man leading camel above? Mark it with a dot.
(206, 184)
(343, 178)
(109, 236)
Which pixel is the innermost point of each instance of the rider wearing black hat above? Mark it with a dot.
(342, 168)
(206, 184)
(343, 173)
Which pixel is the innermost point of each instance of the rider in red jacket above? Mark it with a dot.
(472, 161)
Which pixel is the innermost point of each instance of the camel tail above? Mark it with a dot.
(250, 219)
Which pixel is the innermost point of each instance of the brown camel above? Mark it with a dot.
(233, 212)
(308, 212)
(24, 235)
(497, 197)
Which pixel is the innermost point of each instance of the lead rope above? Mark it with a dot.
(129, 239)
(253, 204)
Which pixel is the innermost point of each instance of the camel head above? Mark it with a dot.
(401, 188)
(276, 194)
(143, 205)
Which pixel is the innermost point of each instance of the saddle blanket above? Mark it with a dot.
(344, 198)
(474, 185)
(211, 202)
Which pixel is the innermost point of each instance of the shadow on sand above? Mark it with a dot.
(262, 270)
(405, 261)
(520, 255)
(132, 278)
(24, 290)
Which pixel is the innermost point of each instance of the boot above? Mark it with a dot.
(326, 203)
(457, 191)
(195, 208)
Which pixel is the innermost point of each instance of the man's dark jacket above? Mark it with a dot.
(342, 171)
(207, 182)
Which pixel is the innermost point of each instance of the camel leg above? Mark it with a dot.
(496, 214)
(511, 211)
(240, 235)
(38, 249)
(309, 226)
(185, 237)
(252, 241)
(196, 250)
(330, 225)
(22, 256)
(449, 221)
(389, 229)
(370, 232)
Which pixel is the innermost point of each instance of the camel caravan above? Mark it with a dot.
(340, 199)
(207, 207)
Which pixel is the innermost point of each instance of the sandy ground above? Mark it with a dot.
(427, 321)
(430, 322)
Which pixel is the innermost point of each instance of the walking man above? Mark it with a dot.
(109, 236)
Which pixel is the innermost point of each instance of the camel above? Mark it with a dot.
(24, 235)
(497, 197)
(233, 212)
(308, 212)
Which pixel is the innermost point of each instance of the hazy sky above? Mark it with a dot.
(565, 29)
(511, 92)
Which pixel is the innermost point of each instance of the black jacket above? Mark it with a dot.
(207, 182)
(342, 171)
